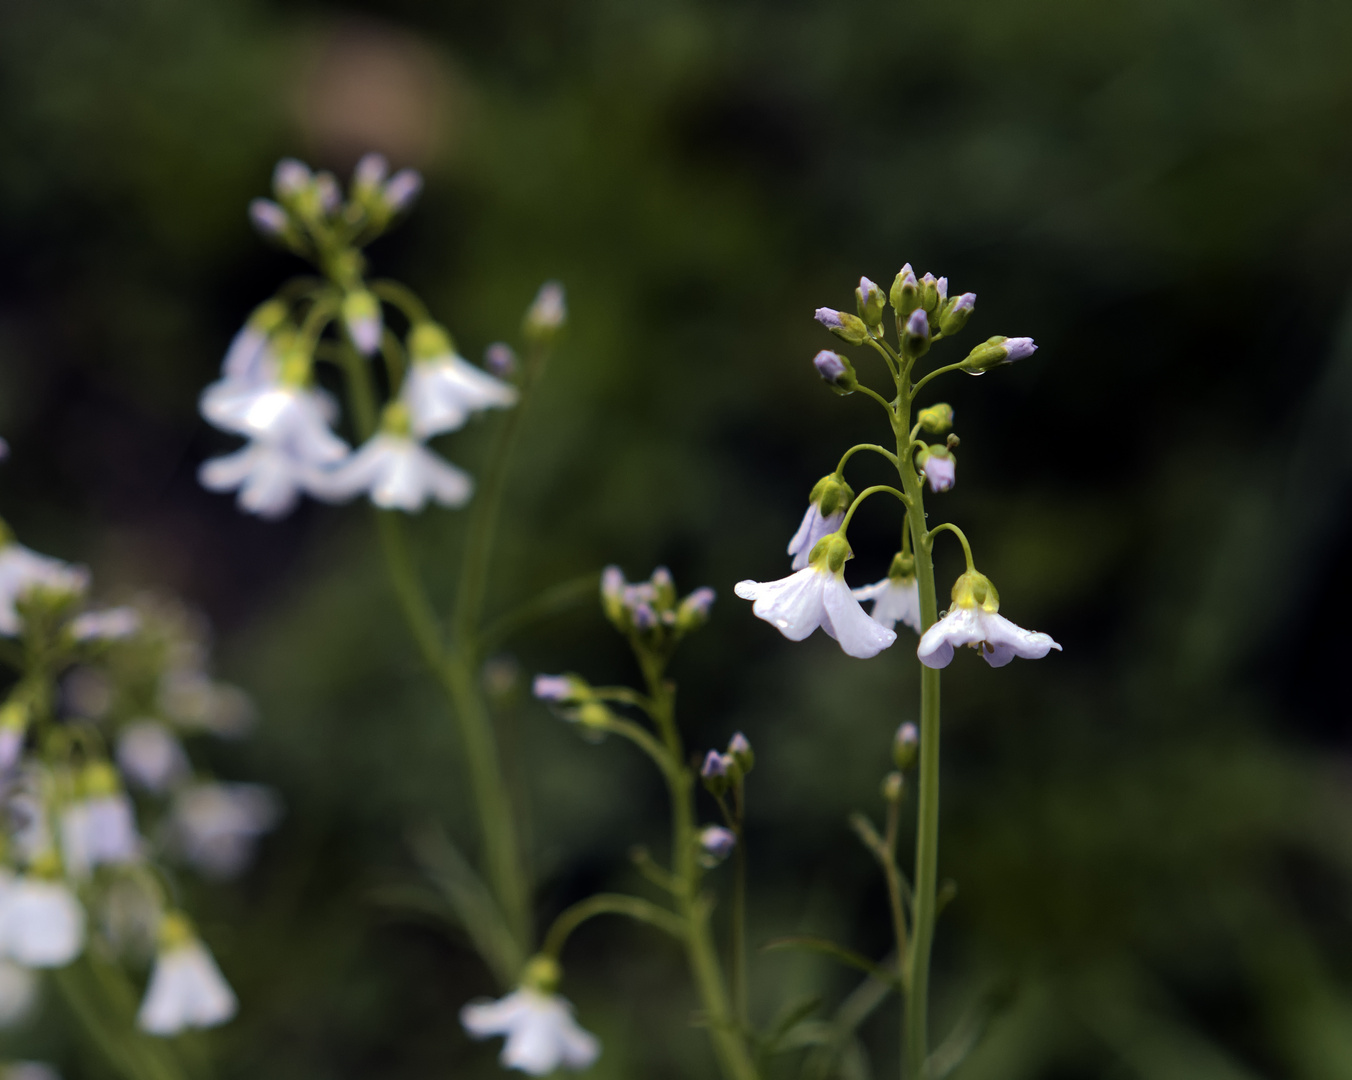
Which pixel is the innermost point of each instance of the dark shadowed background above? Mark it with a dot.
(1151, 833)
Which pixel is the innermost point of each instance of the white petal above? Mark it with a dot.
(442, 392)
(899, 602)
(793, 605)
(1007, 640)
(150, 756)
(858, 635)
(42, 924)
(798, 545)
(871, 592)
(484, 1018)
(18, 993)
(958, 627)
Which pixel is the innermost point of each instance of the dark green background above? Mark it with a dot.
(1152, 832)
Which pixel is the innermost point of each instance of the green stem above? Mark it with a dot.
(865, 446)
(948, 526)
(915, 1008)
(729, 1040)
(737, 944)
(920, 383)
(859, 499)
(609, 904)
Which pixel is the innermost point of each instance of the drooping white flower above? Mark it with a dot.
(442, 389)
(818, 596)
(22, 570)
(973, 620)
(18, 993)
(270, 480)
(186, 989)
(290, 417)
(100, 828)
(940, 467)
(251, 359)
(537, 1022)
(826, 505)
(150, 756)
(109, 624)
(42, 924)
(397, 471)
(215, 826)
(896, 598)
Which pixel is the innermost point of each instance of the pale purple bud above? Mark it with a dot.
(403, 187)
(290, 178)
(828, 317)
(942, 287)
(700, 601)
(500, 360)
(739, 744)
(612, 583)
(830, 366)
(267, 217)
(941, 472)
(929, 279)
(715, 764)
(548, 310)
(1017, 348)
(11, 746)
(717, 841)
(645, 618)
(330, 196)
(370, 171)
(917, 326)
(553, 687)
(965, 302)
(905, 745)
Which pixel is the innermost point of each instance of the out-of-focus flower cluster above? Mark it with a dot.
(100, 801)
(267, 391)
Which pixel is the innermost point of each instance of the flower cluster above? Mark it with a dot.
(816, 594)
(98, 792)
(268, 390)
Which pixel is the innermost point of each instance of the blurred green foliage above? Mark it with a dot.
(1150, 832)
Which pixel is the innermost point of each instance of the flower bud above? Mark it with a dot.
(694, 610)
(847, 327)
(894, 786)
(870, 302)
(612, 597)
(361, 314)
(954, 314)
(940, 467)
(717, 843)
(905, 746)
(995, 351)
(369, 175)
(905, 292)
(714, 773)
(547, 313)
(291, 179)
(560, 689)
(836, 370)
(269, 218)
(739, 749)
(14, 716)
(327, 193)
(932, 292)
(664, 588)
(403, 187)
(915, 335)
(500, 360)
(936, 419)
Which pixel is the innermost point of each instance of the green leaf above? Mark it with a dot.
(826, 947)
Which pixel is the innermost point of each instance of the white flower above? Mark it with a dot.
(940, 468)
(826, 506)
(250, 360)
(540, 1029)
(895, 599)
(294, 419)
(150, 756)
(18, 992)
(22, 570)
(399, 473)
(442, 389)
(186, 989)
(110, 624)
(214, 826)
(99, 831)
(818, 596)
(972, 620)
(270, 480)
(41, 922)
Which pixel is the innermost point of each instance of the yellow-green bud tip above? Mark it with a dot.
(541, 973)
(427, 340)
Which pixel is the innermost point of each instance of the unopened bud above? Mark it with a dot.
(664, 588)
(996, 351)
(954, 315)
(269, 218)
(694, 610)
(717, 843)
(361, 315)
(940, 468)
(403, 187)
(936, 419)
(905, 292)
(369, 174)
(932, 292)
(547, 313)
(894, 786)
(500, 360)
(593, 716)
(905, 746)
(1019, 348)
(915, 336)
(328, 193)
(847, 327)
(560, 689)
(870, 302)
(714, 773)
(836, 370)
(739, 748)
(290, 179)
(612, 596)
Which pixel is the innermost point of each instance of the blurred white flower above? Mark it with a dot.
(269, 479)
(99, 831)
(41, 922)
(540, 1029)
(186, 989)
(22, 570)
(442, 389)
(150, 756)
(398, 473)
(18, 993)
(108, 624)
(895, 599)
(215, 826)
(28, 1070)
